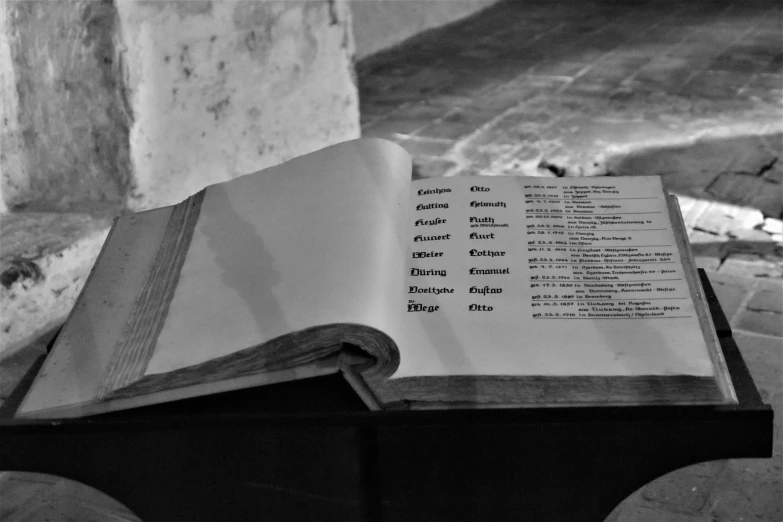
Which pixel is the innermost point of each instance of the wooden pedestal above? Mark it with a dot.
(309, 450)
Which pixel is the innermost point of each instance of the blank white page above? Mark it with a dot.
(316, 240)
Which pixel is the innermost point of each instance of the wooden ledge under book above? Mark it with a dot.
(309, 450)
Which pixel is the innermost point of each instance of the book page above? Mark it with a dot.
(551, 277)
(315, 241)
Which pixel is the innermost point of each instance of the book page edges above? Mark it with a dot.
(324, 367)
(136, 344)
(348, 359)
(546, 391)
(373, 348)
(74, 369)
(313, 241)
(722, 376)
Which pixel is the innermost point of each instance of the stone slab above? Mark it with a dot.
(731, 295)
(43, 273)
(767, 323)
(425, 147)
(458, 124)
(752, 265)
(748, 190)
(686, 490)
(768, 300)
(406, 120)
(432, 167)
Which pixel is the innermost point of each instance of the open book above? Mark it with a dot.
(449, 292)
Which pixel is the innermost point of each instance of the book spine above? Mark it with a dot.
(136, 345)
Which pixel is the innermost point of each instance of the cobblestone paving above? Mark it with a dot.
(575, 85)
(692, 91)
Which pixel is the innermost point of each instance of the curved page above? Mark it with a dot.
(317, 240)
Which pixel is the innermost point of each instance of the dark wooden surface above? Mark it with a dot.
(308, 450)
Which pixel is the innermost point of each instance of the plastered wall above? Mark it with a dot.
(228, 87)
(137, 104)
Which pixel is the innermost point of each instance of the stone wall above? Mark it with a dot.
(379, 24)
(12, 177)
(71, 120)
(136, 104)
(110, 106)
(225, 88)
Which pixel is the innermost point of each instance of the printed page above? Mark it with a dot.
(541, 276)
(317, 240)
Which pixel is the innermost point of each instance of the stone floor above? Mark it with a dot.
(689, 90)
(692, 91)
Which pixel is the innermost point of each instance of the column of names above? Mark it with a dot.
(460, 248)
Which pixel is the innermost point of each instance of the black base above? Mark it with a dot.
(309, 450)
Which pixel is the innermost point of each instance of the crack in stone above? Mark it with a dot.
(706, 231)
(765, 168)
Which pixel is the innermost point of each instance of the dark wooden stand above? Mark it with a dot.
(309, 450)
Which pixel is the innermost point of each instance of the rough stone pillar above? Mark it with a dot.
(136, 104)
(227, 87)
(108, 106)
(65, 118)
(9, 142)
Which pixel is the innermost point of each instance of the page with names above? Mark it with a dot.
(546, 276)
